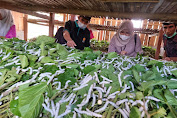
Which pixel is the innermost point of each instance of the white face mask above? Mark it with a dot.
(81, 25)
(124, 37)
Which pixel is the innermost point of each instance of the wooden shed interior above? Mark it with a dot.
(106, 14)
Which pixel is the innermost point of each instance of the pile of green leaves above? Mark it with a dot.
(148, 51)
(99, 45)
(30, 77)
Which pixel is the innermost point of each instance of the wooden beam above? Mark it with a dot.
(157, 6)
(51, 24)
(12, 7)
(129, 0)
(94, 26)
(156, 16)
(56, 22)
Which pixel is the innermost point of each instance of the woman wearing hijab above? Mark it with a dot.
(7, 27)
(125, 42)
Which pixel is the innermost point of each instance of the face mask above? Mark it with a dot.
(81, 25)
(171, 36)
(124, 37)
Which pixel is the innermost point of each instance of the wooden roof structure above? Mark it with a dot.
(163, 10)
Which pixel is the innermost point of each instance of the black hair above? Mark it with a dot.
(85, 17)
(166, 23)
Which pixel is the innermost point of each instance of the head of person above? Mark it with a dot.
(125, 32)
(169, 29)
(83, 21)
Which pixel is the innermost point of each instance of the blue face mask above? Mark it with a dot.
(171, 36)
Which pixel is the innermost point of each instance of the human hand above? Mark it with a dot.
(71, 43)
(167, 59)
(123, 52)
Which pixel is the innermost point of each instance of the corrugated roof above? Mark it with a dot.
(128, 9)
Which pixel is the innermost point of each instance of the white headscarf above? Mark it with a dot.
(6, 22)
(124, 25)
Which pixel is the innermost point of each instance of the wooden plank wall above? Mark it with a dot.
(19, 24)
(146, 40)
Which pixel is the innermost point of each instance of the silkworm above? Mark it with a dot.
(110, 87)
(152, 98)
(113, 104)
(66, 84)
(114, 93)
(53, 106)
(48, 109)
(74, 115)
(104, 78)
(103, 108)
(119, 78)
(72, 99)
(143, 114)
(88, 97)
(6, 56)
(94, 99)
(66, 100)
(126, 112)
(96, 77)
(98, 88)
(64, 114)
(126, 76)
(49, 64)
(123, 113)
(80, 87)
(138, 101)
(132, 85)
(121, 101)
(127, 107)
(93, 113)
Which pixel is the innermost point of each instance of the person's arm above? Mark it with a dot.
(112, 46)
(169, 58)
(172, 58)
(159, 44)
(67, 36)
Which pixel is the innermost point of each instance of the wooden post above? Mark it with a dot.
(159, 44)
(25, 25)
(51, 24)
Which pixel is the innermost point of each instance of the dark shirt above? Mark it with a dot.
(81, 37)
(170, 46)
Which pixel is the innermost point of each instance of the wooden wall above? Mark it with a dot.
(19, 24)
(146, 40)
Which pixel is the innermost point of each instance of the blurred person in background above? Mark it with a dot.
(7, 27)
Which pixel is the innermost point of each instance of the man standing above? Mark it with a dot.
(76, 33)
(169, 36)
